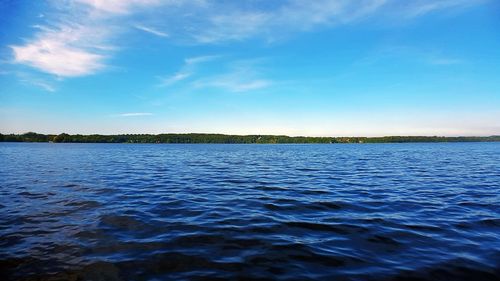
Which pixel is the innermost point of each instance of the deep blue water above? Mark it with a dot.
(298, 212)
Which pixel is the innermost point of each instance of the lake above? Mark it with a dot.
(280, 212)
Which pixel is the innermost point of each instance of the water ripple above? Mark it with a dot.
(252, 212)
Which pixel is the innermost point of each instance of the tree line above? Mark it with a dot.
(221, 138)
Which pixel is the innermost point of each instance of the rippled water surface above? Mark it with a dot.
(197, 212)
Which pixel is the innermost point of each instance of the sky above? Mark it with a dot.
(292, 67)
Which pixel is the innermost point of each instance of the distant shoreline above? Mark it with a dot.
(230, 139)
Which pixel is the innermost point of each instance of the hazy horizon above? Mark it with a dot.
(298, 68)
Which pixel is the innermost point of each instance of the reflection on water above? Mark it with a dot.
(301, 212)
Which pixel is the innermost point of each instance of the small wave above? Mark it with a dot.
(340, 228)
(122, 222)
(175, 212)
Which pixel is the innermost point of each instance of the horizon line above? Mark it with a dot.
(280, 135)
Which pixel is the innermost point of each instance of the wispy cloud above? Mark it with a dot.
(151, 30)
(178, 76)
(422, 7)
(237, 25)
(241, 76)
(118, 6)
(187, 70)
(233, 84)
(412, 54)
(201, 59)
(42, 84)
(233, 75)
(64, 51)
(288, 17)
(303, 15)
(213, 22)
(134, 114)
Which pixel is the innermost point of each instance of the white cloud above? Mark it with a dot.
(118, 6)
(151, 30)
(134, 114)
(55, 56)
(66, 48)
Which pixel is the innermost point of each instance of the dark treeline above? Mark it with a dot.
(220, 138)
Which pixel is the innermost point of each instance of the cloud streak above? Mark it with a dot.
(187, 70)
(41, 84)
(231, 84)
(151, 30)
(178, 76)
(423, 7)
(134, 114)
(241, 76)
(118, 6)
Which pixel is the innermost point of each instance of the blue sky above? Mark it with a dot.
(294, 67)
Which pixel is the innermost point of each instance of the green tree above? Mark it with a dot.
(61, 138)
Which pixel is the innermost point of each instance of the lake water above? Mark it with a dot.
(280, 212)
